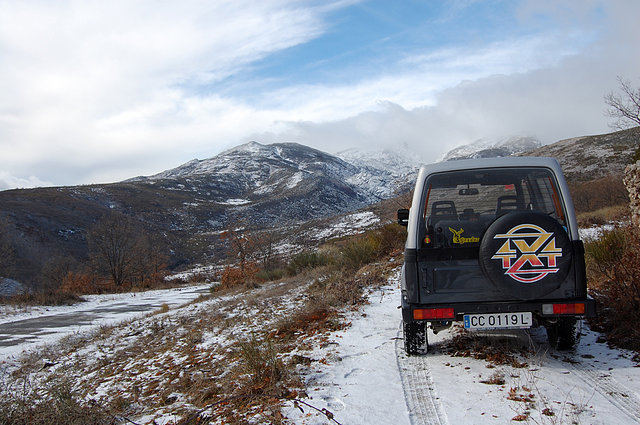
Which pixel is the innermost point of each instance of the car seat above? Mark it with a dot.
(507, 203)
(469, 215)
(444, 210)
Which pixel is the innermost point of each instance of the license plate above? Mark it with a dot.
(498, 321)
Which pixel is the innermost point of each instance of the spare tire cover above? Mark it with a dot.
(526, 254)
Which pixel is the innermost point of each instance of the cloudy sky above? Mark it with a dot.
(97, 92)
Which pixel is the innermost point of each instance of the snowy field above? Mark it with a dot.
(365, 378)
(361, 375)
(26, 328)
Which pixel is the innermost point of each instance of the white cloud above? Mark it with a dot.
(8, 181)
(533, 87)
(418, 79)
(99, 91)
(81, 80)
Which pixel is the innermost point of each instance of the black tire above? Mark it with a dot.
(503, 261)
(415, 338)
(564, 334)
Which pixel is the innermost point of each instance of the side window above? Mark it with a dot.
(545, 203)
(549, 201)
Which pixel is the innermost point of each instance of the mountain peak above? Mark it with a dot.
(250, 147)
(259, 169)
(493, 148)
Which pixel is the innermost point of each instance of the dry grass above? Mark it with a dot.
(496, 378)
(42, 298)
(604, 215)
(613, 266)
(495, 350)
(48, 403)
(232, 357)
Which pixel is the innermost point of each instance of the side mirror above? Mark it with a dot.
(403, 217)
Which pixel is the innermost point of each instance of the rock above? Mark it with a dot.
(632, 183)
(10, 287)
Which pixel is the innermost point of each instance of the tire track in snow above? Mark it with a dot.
(419, 389)
(625, 399)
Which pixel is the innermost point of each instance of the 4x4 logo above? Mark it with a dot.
(542, 246)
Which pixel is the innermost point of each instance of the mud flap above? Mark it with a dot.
(415, 338)
(564, 334)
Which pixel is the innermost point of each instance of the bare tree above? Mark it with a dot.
(55, 271)
(624, 105)
(112, 242)
(264, 244)
(150, 259)
(240, 246)
(7, 252)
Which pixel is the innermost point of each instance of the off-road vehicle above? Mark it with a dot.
(494, 244)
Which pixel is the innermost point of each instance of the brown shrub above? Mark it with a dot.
(267, 373)
(600, 193)
(78, 283)
(155, 280)
(42, 298)
(392, 238)
(234, 275)
(309, 320)
(614, 266)
(616, 213)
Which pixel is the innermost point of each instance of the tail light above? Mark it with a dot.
(570, 308)
(433, 313)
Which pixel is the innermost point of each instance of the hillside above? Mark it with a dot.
(209, 361)
(591, 157)
(582, 158)
(488, 148)
(276, 187)
(286, 188)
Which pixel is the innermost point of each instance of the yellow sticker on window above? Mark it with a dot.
(459, 239)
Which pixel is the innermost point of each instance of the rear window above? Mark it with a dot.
(472, 199)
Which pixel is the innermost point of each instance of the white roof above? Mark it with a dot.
(473, 164)
(470, 164)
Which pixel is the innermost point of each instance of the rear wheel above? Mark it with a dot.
(564, 334)
(415, 338)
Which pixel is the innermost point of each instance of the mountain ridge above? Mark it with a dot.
(277, 188)
(492, 148)
(590, 157)
(260, 187)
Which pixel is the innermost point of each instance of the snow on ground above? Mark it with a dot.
(349, 225)
(357, 376)
(29, 327)
(363, 374)
(594, 232)
(235, 202)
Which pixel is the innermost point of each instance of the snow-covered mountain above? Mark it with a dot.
(253, 186)
(258, 170)
(276, 188)
(258, 164)
(492, 148)
(383, 173)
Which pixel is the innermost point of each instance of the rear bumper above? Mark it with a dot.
(540, 309)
